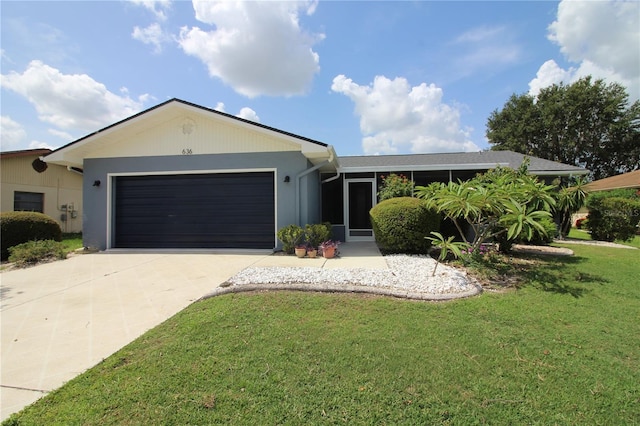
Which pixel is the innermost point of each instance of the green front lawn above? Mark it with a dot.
(562, 349)
(580, 234)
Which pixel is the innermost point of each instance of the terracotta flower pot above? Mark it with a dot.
(312, 253)
(329, 252)
(301, 252)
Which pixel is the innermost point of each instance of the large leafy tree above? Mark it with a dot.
(503, 203)
(587, 123)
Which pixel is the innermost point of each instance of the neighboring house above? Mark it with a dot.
(625, 180)
(29, 184)
(180, 175)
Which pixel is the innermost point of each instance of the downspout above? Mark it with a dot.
(305, 173)
(332, 178)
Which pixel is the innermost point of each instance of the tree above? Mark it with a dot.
(587, 124)
(569, 200)
(502, 202)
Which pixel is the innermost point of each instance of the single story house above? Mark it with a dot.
(29, 184)
(179, 175)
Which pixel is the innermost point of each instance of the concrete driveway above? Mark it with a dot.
(61, 318)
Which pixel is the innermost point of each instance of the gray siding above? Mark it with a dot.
(95, 215)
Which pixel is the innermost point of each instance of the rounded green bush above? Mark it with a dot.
(613, 218)
(20, 227)
(401, 225)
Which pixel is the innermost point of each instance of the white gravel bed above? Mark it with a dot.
(408, 276)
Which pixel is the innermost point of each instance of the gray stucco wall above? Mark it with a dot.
(290, 164)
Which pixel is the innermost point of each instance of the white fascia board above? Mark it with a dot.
(560, 172)
(65, 155)
(306, 146)
(422, 168)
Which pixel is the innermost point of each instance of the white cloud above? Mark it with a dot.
(246, 112)
(38, 144)
(549, 74)
(157, 7)
(602, 38)
(397, 118)
(73, 102)
(5, 57)
(480, 34)
(484, 48)
(258, 48)
(153, 35)
(60, 134)
(12, 134)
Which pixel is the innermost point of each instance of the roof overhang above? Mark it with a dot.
(622, 181)
(568, 173)
(25, 153)
(420, 167)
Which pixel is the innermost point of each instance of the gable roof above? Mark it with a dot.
(625, 180)
(74, 152)
(482, 160)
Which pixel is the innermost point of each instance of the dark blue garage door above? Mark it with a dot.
(220, 210)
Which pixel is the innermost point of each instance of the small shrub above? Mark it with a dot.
(395, 186)
(582, 222)
(402, 225)
(317, 233)
(33, 252)
(290, 235)
(20, 227)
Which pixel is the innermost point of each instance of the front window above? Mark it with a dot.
(28, 201)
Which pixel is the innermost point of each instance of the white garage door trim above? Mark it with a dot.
(111, 179)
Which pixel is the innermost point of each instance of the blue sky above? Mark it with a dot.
(365, 77)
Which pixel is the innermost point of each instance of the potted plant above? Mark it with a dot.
(315, 234)
(301, 250)
(329, 248)
(290, 235)
(312, 251)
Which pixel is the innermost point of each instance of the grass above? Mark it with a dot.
(584, 235)
(72, 241)
(564, 348)
(33, 252)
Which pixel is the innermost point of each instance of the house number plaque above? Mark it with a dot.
(187, 151)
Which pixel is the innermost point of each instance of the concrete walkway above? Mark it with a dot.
(61, 318)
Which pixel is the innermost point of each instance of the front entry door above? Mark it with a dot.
(360, 198)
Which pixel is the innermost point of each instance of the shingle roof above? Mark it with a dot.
(455, 161)
(625, 180)
(25, 152)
